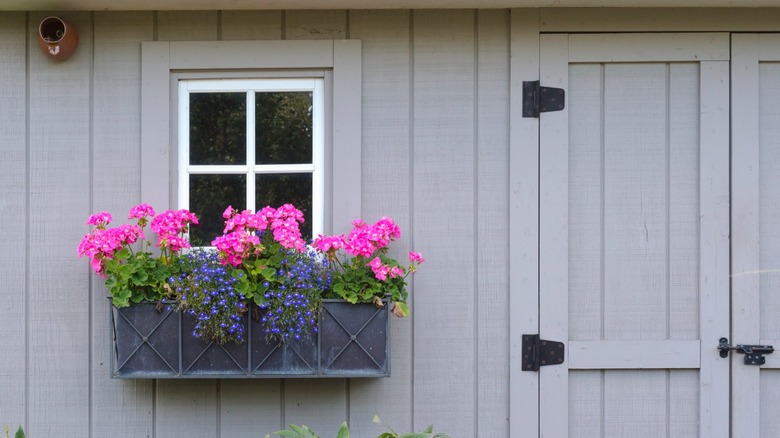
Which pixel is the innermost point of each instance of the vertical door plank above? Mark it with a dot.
(683, 202)
(251, 25)
(586, 403)
(769, 204)
(586, 187)
(745, 226)
(714, 244)
(683, 403)
(553, 229)
(185, 408)
(769, 238)
(59, 153)
(769, 421)
(523, 221)
(635, 403)
(386, 190)
(635, 131)
(492, 298)
(444, 219)
(120, 407)
(14, 216)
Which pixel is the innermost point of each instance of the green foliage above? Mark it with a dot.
(294, 431)
(427, 433)
(136, 277)
(304, 432)
(357, 282)
(19, 432)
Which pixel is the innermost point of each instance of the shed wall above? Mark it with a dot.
(435, 158)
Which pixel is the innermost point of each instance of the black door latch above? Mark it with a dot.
(754, 354)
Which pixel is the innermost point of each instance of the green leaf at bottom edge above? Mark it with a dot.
(343, 431)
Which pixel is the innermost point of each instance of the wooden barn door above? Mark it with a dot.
(634, 235)
(756, 231)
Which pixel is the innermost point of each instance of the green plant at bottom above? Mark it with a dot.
(304, 432)
(19, 432)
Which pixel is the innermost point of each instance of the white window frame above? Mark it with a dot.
(341, 59)
(251, 169)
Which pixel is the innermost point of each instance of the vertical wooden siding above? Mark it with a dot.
(435, 158)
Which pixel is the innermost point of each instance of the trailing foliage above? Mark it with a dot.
(205, 290)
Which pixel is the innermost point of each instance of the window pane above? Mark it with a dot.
(209, 197)
(283, 128)
(218, 128)
(292, 188)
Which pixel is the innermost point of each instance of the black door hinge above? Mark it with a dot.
(537, 99)
(538, 352)
(754, 354)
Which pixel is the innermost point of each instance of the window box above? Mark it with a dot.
(353, 340)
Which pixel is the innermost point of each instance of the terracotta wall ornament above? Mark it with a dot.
(56, 38)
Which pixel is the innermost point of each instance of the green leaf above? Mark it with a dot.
(269, 273)
(19, 433)
(402, 309)
(429, 429)
(297, 432)
(122, 254)
(343, 431)
(416, 435)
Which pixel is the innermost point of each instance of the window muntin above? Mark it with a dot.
(260, 140)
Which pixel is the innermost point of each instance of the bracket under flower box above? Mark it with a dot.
(353, 340)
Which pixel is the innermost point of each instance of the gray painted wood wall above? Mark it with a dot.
(435, 157)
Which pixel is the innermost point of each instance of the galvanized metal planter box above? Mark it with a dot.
(353, 340)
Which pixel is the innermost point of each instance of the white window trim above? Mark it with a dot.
(316, 168)
(161, 59)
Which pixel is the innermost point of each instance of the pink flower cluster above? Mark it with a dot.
(103, 243)
(363, 240)
(170, 227)
(381, 271)
(240, 239)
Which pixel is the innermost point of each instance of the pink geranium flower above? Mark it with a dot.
(141, 211)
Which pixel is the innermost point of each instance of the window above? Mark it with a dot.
(251, 143)
(230, 74)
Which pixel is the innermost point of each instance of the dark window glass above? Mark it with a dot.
(209, 197)
(217, 128)
(291, 188)
(283, 127)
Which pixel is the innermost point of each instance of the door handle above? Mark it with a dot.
(754, 354)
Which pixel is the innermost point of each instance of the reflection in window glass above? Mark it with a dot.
(217, 128)
(295, 188)
(284, 127)
(209, 196)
